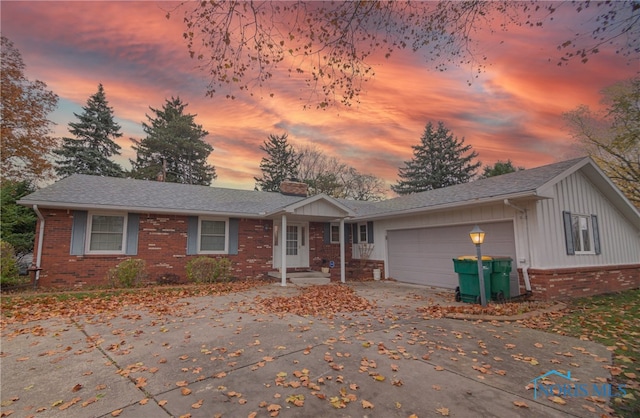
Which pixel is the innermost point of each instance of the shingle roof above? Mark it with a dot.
(83, 191)
(498, 187)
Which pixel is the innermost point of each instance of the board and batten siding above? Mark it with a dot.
(619, 239)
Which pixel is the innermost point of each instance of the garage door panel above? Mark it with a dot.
(424, 255)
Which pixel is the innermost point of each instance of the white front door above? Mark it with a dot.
(296, 242)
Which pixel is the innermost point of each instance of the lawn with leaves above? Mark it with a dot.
(612, 320)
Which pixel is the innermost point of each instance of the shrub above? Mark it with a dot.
(8, 265)
(209, 270)
(129, 273)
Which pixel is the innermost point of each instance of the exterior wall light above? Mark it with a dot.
(477, 237)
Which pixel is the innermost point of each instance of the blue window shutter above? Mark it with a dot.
(326, 233)
(370, 232)
(78, 232)
(192, 235)
(234, 232)
(355, 233)
(133, 224)
(347, 233)
(596, 234)
(568, 232)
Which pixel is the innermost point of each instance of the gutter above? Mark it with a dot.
(525, 269)
(136, 209)
(388, 213)
(40, 241)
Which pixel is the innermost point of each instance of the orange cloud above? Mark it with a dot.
(511, 111)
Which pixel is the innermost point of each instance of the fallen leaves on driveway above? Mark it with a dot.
(492, 309)
(324, 301)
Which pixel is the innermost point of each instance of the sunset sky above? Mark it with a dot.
(511, 111)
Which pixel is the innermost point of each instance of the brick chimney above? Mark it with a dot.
(293, 188)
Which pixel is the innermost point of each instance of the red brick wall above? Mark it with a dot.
(162, 243)
(566, 283)
(321, 254)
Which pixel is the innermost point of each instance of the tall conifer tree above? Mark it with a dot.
(93, 145)
(282, 163)
(439, 160)
(174, 149)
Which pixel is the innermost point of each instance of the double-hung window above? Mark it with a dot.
(106, 233)
(213, 236)
(335, 233)
(581, 225)
(363, 233)
(581, 233)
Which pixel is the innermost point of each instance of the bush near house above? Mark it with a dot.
(8, 264)
(209, 270)
(129, 273)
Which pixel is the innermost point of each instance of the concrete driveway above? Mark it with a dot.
(220, 356)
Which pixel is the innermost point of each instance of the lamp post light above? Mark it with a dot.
(477, 237)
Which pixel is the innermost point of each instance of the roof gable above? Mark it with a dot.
(318, 206)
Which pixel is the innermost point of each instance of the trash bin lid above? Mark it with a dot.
(475, 258)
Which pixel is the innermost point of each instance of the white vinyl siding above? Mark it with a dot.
(576, 194)
(106, 233)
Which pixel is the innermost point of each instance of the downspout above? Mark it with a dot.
(525, 268)
(40, 241)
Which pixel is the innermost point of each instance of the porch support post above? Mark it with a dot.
(283, 250)
(342, 245)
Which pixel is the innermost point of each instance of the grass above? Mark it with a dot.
(614, 321)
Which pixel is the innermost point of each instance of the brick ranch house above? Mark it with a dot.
(569, 231)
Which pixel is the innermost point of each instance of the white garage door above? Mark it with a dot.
(424, 256)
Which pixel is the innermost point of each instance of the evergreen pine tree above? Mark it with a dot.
(95, 132)
(17, 223)
(282, 163)
(174, 149)
(498, 169)
(440, 160)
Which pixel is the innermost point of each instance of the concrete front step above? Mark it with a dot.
(304, 277)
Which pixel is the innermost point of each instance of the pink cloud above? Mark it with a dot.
(513, 110)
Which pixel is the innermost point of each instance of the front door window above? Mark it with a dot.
(292, 240)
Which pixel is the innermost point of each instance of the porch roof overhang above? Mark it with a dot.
(315, 208)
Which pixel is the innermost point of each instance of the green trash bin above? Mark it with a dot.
(468, 279)
(500, 283)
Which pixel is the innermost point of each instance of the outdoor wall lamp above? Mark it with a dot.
(477, 237)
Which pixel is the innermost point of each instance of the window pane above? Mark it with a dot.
(363, 233)
(211, 243)
(212, 235)
(335, 233)
(575, 220)
(292, 240)
(584, 231)
(105, 242)
(102, 223)
(213, 227)
(106, 233)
